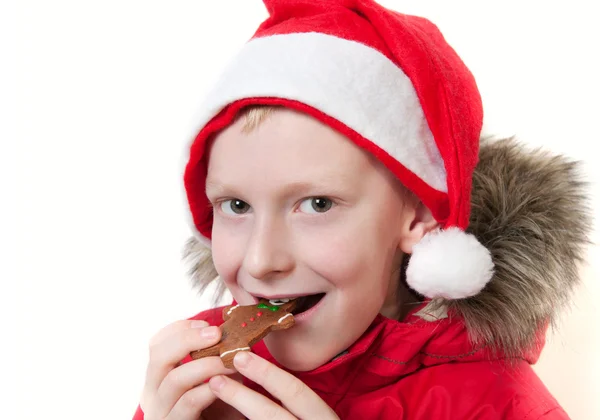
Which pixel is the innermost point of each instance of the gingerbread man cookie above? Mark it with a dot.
(244, 326)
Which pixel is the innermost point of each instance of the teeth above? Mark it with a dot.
(279, 301)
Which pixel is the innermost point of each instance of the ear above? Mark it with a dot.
(417, 222)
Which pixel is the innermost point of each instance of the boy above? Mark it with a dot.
(338, 162)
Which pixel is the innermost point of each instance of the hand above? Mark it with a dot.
(298, 399)
(178, 392)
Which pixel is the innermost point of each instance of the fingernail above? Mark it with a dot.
(242, 359)
(209, 332)
(198, 324)
(217, 382)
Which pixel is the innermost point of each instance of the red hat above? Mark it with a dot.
(392, 85)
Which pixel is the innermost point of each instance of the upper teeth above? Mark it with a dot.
(279, 301)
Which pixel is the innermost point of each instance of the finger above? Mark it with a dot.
(250, 403)
(175, 327)
(192, 403)
(167, 354)
(294, 394)
(152, 381)
(186, 377)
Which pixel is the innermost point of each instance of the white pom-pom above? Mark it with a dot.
(449, 264)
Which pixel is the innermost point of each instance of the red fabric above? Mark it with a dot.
(445, 87)
(423, 370)
(139, 414)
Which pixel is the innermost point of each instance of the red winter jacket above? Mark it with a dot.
(422, 370)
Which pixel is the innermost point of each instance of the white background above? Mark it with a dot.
(96, 100)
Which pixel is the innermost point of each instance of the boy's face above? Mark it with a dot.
(300, 210)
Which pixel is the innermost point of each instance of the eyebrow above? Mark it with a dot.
(324, 187)
(215, 188)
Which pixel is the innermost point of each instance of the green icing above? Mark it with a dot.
(270, 308)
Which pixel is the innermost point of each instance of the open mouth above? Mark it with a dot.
(303, 303)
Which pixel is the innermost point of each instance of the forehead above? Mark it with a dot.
(286, 144)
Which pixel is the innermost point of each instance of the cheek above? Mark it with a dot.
(351, 255)
(227, 250)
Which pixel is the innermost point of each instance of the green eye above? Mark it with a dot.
(235, 206)
(316, 205)
(320, 204)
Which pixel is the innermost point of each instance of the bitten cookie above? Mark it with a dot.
(244, 326)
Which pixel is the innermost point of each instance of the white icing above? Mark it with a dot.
(233, 351)
(232, 308)
(283, 317)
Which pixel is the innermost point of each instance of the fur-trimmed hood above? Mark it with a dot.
(530, 209)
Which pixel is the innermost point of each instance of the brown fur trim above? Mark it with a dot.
(201, 268)
(530, 209)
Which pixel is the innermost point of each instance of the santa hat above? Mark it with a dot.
(391, 84)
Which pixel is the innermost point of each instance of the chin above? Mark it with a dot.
(295, 355)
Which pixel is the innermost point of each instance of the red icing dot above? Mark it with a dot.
(251, 319)
(244, 324)
(259, 314)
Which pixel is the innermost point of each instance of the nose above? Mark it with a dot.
(268, 253)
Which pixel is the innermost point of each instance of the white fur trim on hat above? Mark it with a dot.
(449, 264)
(318, 70)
